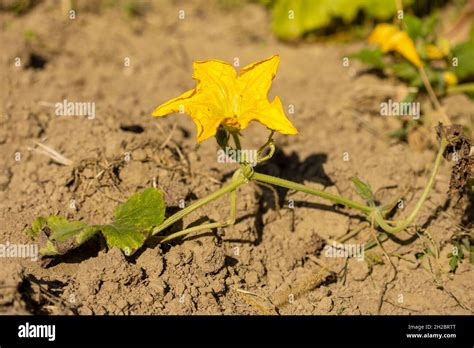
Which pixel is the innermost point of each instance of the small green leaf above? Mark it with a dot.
(49, 249)
(363, 189)
(456, 256)
(419, 255)
(36, 226)
(61, 235)
(126, 238)
(428, 24)
(62, 229)
(371, 57)
(453, 263)
(129, 230)
(405, 71)
(465, 60)
(414, 26)
(143, 210)
(294, 18)
(134, 219)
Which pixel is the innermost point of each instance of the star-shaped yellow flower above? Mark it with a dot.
(223, 97)
(390, 38)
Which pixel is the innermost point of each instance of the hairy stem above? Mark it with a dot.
(298, 187)
(409, 220)
(209, 226)
(199, 203)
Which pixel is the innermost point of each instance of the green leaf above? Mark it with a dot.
(62, 235)
(62, 229)
(405, 71)
(465, 60)
(363, 189)
(428, 24)
(36, 226)
(293, 18)
(456, 256)
(129, 230)
(143, 210)
(126, 238)
(419, 255)
(413, 26)
(453, 263)
(133, 219)
(369, 56)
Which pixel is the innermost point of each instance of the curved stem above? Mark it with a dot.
(432, 95)
(209, 226)
(298, 187)
(235, 136)
(199, 203)
(409, 220)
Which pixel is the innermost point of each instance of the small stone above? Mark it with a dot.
(251, 278)
(218, 286)
(358, 270)
(139, 155)
(175, 256)
(148, 299)
(158, 285)
(325, 305)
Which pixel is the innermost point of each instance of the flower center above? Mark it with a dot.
(231, 123)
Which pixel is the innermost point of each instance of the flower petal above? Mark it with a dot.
(390, 38)
(197, 107)
(217, 80)
(257, 78)
(254, 81)
(270, 115)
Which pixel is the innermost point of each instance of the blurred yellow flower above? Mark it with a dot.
(433, 52)
(390, 38)
(223, 97)
(450, 79)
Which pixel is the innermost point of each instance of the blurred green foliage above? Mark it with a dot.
(457, 60)
(293, 18)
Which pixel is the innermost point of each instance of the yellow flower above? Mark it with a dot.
(450, 79)
(433, 52)
(390, 38)
(223, 97)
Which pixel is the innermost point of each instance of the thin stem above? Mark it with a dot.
(235, 136)
(462, 88)
(409, 220)
(298, 187)
(433, 97)
(199, 203)
(208, 226)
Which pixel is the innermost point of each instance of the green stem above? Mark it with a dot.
(409, 220)
(462, 88)
(199, 203)
(209, 226)
(235, 136)
(298, 187)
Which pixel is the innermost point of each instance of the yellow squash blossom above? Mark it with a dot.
(222, 96)
(433, 52)
(390, 38)
(450, 79)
